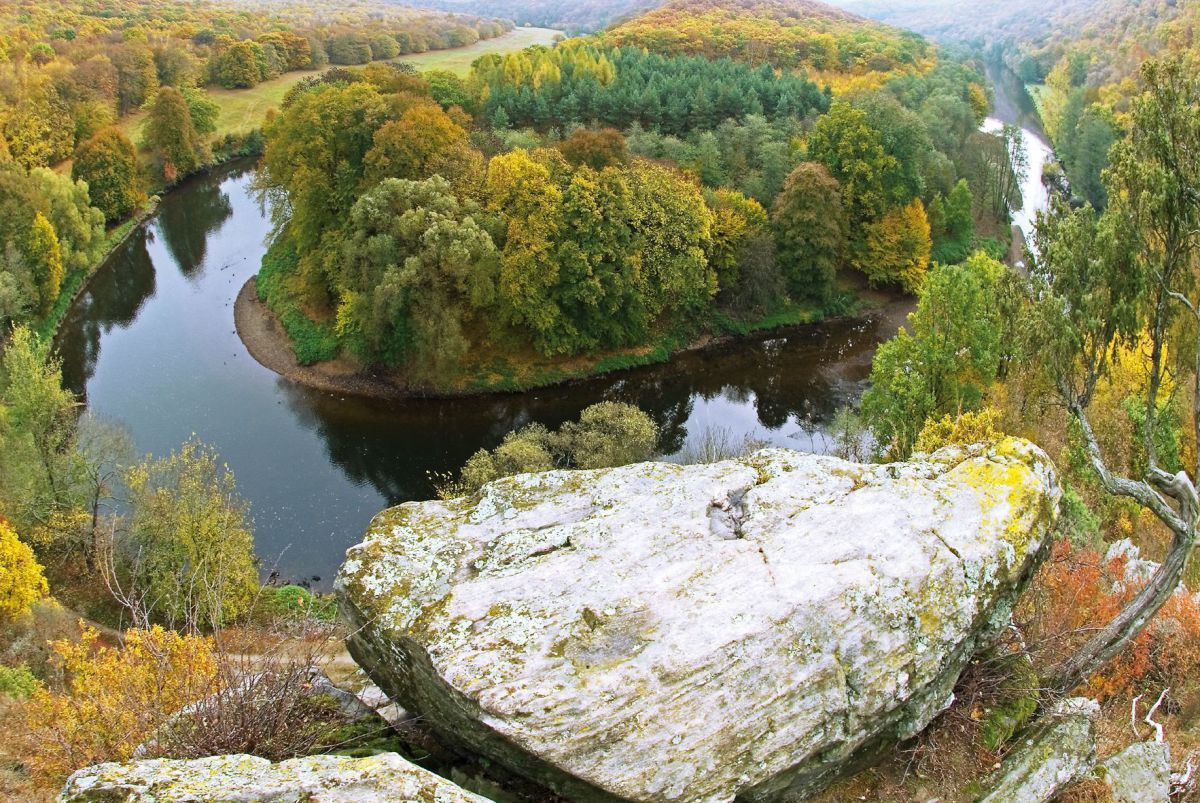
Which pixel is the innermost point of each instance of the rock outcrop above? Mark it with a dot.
(1141, 773)
(1059, 749)
(319, 779)
(667, 633)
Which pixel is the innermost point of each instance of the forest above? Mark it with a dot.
(572, 16)
(786, 35)
(69, 77)
(608, 198)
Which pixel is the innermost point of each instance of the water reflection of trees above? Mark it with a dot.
(113, 298)
(187, 220)
(394, 446)
(115, 295)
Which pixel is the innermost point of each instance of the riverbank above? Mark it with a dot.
(268, 343)
(75, 283)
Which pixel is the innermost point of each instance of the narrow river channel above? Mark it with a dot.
(151, 344)
(1013, 106)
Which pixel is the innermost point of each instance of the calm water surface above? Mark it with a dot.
(152, 345)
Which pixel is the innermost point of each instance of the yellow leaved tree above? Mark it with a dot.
(21, 580)
(111, 699)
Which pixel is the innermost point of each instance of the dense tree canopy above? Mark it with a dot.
(784, 34)
(579, 82)
(416, 269)
(853, 152)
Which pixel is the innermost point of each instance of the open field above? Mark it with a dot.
(458, 60)
(243, 110)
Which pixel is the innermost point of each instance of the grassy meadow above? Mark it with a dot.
(243, 110)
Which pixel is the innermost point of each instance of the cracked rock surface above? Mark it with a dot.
(697, 633)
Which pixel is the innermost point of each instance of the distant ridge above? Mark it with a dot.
(572, 16)
(784, 33)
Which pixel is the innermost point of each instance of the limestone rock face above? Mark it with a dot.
(320, 779)
(659, 632)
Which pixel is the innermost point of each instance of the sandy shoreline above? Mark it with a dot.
(268, 344)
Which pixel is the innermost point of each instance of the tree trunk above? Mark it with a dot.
(1152, 493)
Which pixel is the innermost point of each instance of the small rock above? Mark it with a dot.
(1141, 773)
(1137, 569)
(1058, 750)
(237, 778)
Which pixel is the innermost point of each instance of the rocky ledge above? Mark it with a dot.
(666, 633)
(318, 779)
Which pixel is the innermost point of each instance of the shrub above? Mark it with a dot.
(606, 434)
(1078, 591)
(967, 429)
(111, 699)
(276, 706)
(17, 682)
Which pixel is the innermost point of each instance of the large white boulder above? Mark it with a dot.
(659, 632)
(1141, 773)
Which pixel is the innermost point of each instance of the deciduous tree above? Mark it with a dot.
(844, 141)
(415, 268)
(172, 135)
(108, 163)
(44, 257)
(896, 248)
(21, 580)
(1105, 279)
(596, 148)
(187, 559)
(946, 363)
(77, 224)
(422, 143)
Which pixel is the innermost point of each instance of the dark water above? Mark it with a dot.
(152, 344)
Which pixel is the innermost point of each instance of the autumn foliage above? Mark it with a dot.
(795, 33)
(108, 163)
(1079, 590)
(44, 255)
(897, 247)
(110, 699)
(21, 580)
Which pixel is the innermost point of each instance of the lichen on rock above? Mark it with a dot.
(318, 779)
(1141, 773)
(658, 632)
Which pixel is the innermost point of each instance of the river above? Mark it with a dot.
(1013, 106)
(151, 344)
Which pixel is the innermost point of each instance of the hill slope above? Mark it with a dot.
(784, 33)
(573, 16)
